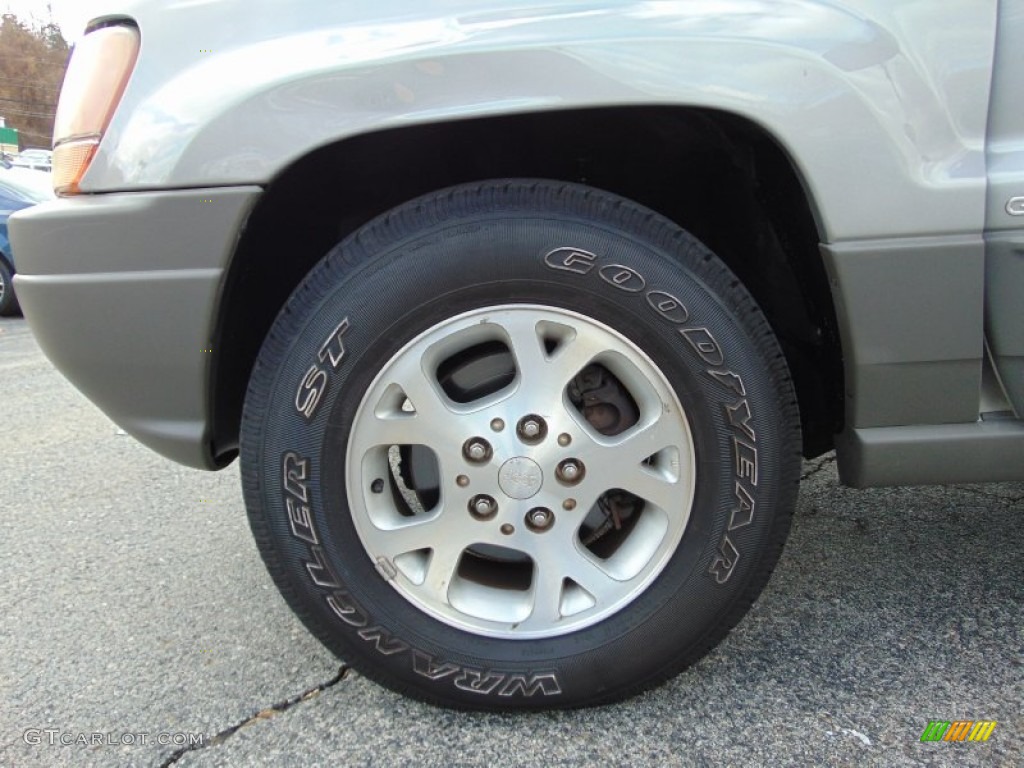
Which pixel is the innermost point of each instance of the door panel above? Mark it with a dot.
(1004, 256)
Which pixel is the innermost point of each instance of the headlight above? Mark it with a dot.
(96, 78)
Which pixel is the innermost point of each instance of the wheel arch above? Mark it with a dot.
(703, 169)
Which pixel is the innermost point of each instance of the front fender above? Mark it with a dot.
(880, 105)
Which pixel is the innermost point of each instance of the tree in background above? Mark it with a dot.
(32, 64)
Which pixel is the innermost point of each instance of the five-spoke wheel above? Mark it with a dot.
(520, 444)
(544, 472)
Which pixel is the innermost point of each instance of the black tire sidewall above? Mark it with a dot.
(8, 301)
(404, 274)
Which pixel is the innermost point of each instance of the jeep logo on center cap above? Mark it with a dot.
(520, 478)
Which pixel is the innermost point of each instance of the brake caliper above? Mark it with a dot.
(603, 401)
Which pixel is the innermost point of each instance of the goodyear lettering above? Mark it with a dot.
(725, 561)
(743, 512)
(571, 260)
(623, 278)
(668, 306)
(738, 413)
(729, 380)
(746, 461)
(704, 344)
(739, 417)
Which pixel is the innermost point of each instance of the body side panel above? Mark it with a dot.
(985, 451)
(910, 317)
(1004, 257)
(881, 105)
(121, 290)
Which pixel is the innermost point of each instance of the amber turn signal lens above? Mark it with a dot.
(96, 78)
(70, 160)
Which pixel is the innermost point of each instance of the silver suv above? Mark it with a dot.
(522, 316)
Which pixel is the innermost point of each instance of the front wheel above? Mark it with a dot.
(520, 444)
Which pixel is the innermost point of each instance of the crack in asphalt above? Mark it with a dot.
(830, 459)
(264, 714)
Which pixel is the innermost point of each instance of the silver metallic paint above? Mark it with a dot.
(129, 331)
(1004, 257)
(881, 105)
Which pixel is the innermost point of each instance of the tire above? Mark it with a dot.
(8, 301)
(520, 444)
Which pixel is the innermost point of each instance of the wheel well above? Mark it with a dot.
(718, 176)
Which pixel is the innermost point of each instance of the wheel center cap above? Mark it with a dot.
(520, 478)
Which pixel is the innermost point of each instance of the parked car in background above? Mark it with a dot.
(36, 159)
(521, 315)
(19, 188)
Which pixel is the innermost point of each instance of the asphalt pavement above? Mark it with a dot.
(140, 628)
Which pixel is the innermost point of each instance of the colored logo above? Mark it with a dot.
(958, 730)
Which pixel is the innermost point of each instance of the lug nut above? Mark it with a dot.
(539, 519)
(532, 429)
(477, 450)
(570, 471)
(483, 507)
